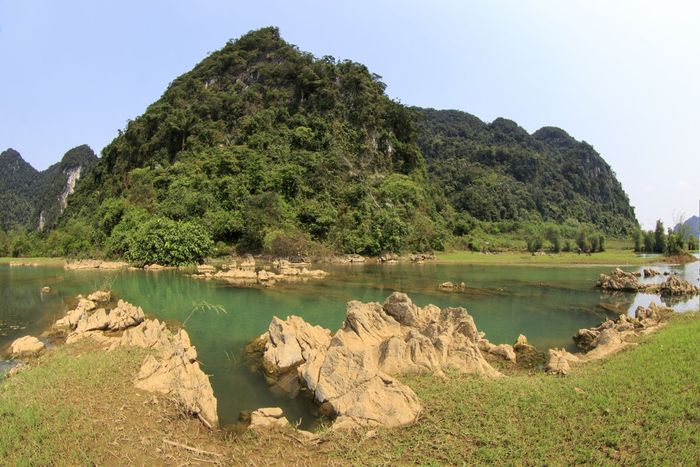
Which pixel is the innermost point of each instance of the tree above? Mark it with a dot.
(169, 243)
(659, 238)
(638, 238)
(554, 237)
(649, 242)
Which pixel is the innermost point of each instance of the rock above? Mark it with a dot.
(267, 418)
(648, 272)
(619, 280)
(15, 264)
(674, 285)
(446, 285)
(94, 264)
(80, 312)
(248, 261)
(156, 267)
(348, 373)
(503, 351)
(206, 269)
(452, 287)
(355, 258)
(124, 315)
(421, 257)
(27, 346)
(238, 276)
(100, 296)
(611, 336)
(559, 360)
(389, 258)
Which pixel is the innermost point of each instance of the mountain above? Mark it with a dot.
(269, 146)
(498, 171)
(33, 199)
(692, 224)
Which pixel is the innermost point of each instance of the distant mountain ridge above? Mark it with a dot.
(498, 171)
(693, 223)
(35, 199)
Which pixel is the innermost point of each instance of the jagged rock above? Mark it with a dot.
(421, 257)
(559, 361)
(248, 261)
(611, 336)
(27, 346)
(124, 315)
(206, 269)
(648, 272)
(619, 280)
(389, 258)
(267, 418)
(349, 373)
(94, 264)
(79, 312)
(674, 285)
(504, 351)
(100, 296)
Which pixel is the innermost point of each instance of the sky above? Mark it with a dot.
(622, 75)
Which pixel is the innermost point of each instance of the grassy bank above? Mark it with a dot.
(39, 261)
(639, 407)
(609, 258)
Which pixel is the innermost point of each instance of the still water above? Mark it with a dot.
(547, 304)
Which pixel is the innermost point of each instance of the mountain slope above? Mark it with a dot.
(693, 226)
(33, 199)
(267, 145)
(498, 171)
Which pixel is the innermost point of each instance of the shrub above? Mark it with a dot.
(170, 243)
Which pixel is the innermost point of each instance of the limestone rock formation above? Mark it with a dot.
(559, 362)
(170, 368)
(95, 264)
(649, 272)
(619, 280)
(611, 336)
(27, 346)
(100, 296)
(674, 285)
(348, 373)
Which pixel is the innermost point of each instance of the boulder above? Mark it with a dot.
(123, 316)
(100, 296)
(649, 272)
(27, 346)
(206, 269)
(247, 261)
(80, 312)
(559, 362)
(349, 373)
(389, 258)
(45, 289)
(619, 280)
(268, 418)
(503, 351)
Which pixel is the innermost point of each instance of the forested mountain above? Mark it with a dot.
(33, 199)
(265, 144)
(497, 171)
(266, 147)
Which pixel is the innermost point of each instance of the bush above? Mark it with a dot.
(534, 240)
(554, 237)
(169, 243)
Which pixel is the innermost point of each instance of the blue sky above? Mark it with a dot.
(622, 75)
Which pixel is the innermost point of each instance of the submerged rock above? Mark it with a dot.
(27, 346)
(349, 373)
(267, 418)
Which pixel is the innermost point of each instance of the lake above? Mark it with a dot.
(547, 304)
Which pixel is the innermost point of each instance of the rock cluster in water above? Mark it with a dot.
(246, 273)
(94, 264)
(170, 368)
(349, 373)
(608, 338)
(619, 280)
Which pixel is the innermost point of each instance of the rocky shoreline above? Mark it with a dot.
(170, 367)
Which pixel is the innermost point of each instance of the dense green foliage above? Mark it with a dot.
(268, 148)
(27, 194)
(498, 171)
(659, 240)
(261, 141)
(167, 242)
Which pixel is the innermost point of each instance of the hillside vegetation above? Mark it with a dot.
(263, 147)
(26, 193)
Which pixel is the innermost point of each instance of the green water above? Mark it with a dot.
(548, 305)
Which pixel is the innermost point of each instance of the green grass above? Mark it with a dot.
(641, 407)
(38, 261)
(609, 258)
(47, 414)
